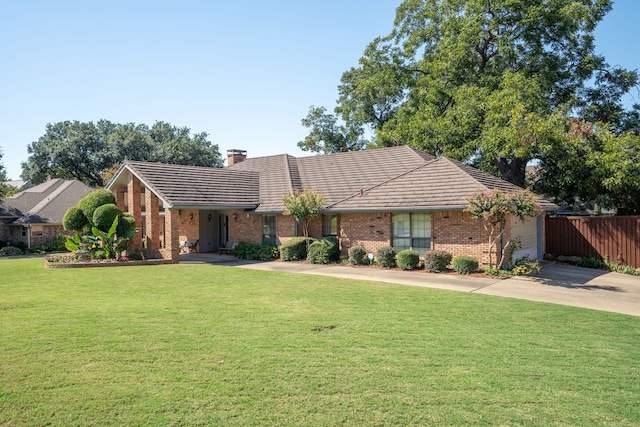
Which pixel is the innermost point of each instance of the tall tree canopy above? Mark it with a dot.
(485, 81)
(4, 188)
(83, 151)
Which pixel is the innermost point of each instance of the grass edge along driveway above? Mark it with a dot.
(212, 345)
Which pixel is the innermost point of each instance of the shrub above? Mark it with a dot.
(294, 249)
(126, 224)
(324, 251)
(408, 259)
(104, 215)
(465, 264)
(251, 251)
(16, 244)
(437, 260)
(89, 203)
(358, 255)
(525, 266)
(58, 244)
(592, 262)
(11, 250)
(74, 219)
(386, 256)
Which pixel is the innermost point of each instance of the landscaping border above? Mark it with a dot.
(90, 264)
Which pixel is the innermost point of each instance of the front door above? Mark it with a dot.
(208, 231)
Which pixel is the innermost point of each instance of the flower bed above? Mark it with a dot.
(74, 261)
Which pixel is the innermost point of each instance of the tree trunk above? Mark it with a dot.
(512, 170)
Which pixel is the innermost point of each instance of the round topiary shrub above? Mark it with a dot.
(465, 264)
(74, 219)
(126, 224)
(437, 260)
(104, 216)
(358, 255)
(11, 251)
(386, 256)
(408, 259)
(89, 203)
(324, 251)
(294, 249)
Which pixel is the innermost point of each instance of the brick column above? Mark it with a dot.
(171, 241)
(120, 190)
(152, 224)
(133, 189)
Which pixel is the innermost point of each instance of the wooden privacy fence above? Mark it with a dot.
(614, 237)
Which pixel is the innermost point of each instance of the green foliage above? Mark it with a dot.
(592, 262)
(324, 251)
(112, 245)
(104, 215)
(465, 264)
(526, 266)
(89, 203)
(126, 225)
(358, 255)
(386, 256)
(304, 206)
(83, 151)
(437, 260)
(11, 251)
(489, 83)
(408, 259)
(495, 207)
(74, 219)
(295, 249)
(251, 251)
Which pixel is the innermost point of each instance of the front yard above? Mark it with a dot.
(213, 345)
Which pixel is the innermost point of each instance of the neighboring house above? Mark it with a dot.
(396, 196)
(34, 216)
(20, 184)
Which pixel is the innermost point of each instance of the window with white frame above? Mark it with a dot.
(411, 230)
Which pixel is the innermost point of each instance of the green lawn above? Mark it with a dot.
(208, 345)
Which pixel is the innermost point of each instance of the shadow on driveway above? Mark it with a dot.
(571, 277)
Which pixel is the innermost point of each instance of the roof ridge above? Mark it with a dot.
(379, 184)
(50, 197)
(468, 176)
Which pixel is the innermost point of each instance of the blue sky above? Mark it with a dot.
(244, 72)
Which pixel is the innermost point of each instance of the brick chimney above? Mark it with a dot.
(235, 156)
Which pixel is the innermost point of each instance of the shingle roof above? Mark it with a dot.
(395, 178)
(438, 184)
(45, 203)
(182, 186)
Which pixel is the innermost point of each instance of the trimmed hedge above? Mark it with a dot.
(89, 203)
(386, 256)
(465, 264)
(408, 259)
(251, 251)
(104, 216)
(324, 251)
(358, 255)
(437, 260)
(294, 249)
(74, 219)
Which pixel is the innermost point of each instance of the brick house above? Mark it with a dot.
(34, 216)
(395, 196)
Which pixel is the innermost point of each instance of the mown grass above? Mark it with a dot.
(207, 345)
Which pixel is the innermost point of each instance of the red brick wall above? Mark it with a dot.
(245, 227)
(459, 234)
(189, 225)
(371, 230)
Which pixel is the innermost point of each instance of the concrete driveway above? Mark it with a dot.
(557, 284)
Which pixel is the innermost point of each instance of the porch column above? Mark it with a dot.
(171, 229)
(133, 189)
(152, 223)
(120, 190)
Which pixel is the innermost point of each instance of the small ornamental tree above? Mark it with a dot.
(304, 206)
(494, 208)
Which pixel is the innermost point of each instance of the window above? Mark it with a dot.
(329, 225)
(37, 230)
(412, 230)
(269, 230)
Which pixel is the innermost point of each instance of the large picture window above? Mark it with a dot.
(269, 230)
(412, 230)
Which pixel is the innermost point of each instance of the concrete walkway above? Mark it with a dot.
(557, 284)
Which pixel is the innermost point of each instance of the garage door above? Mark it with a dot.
(528, 233)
